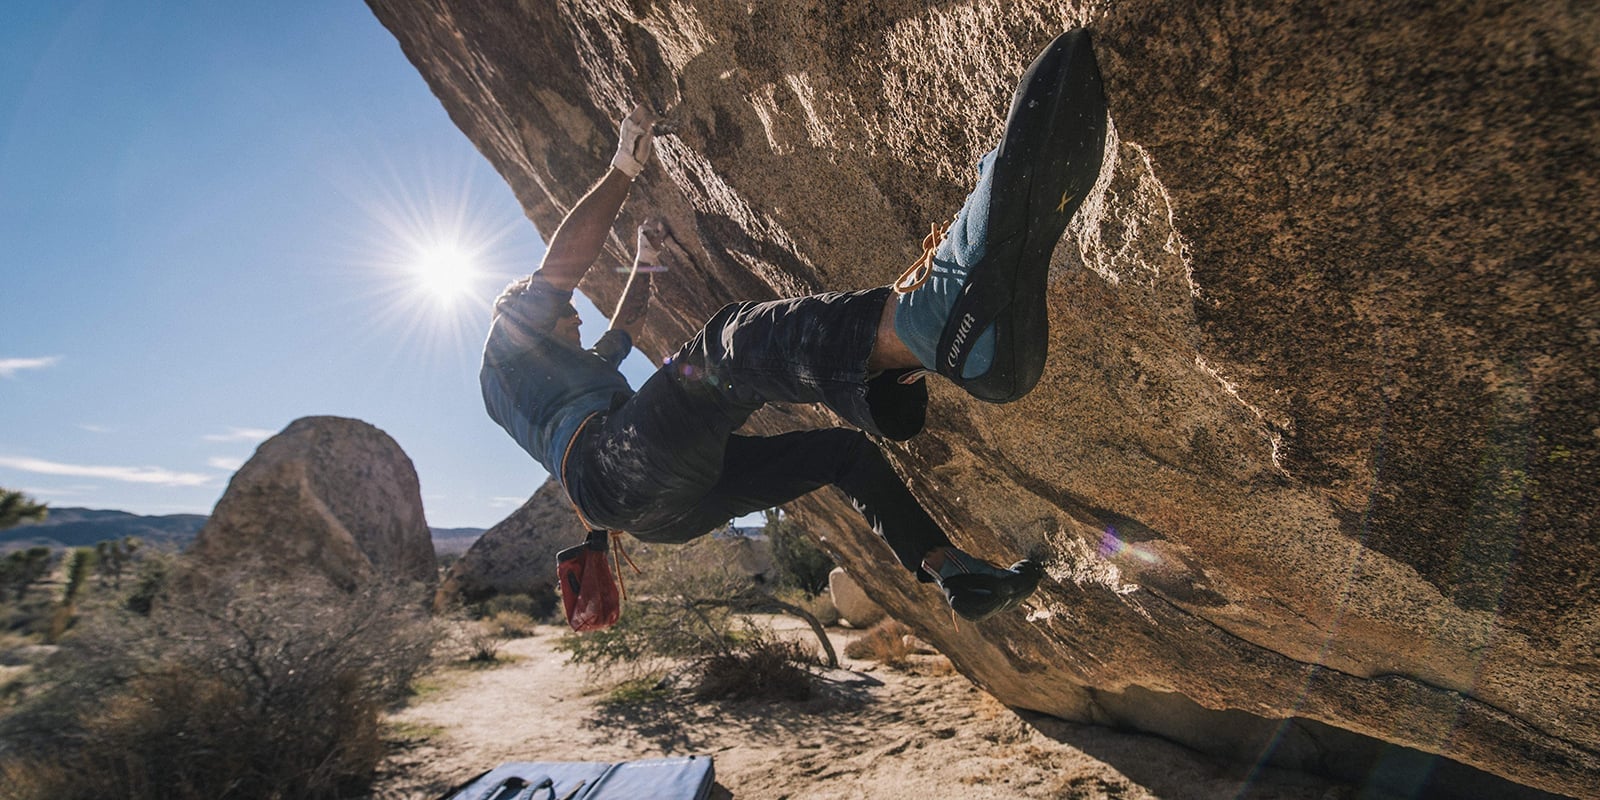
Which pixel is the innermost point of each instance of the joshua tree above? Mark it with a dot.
(83, 560)
(111, 558)
(16, 507)
(23, 568)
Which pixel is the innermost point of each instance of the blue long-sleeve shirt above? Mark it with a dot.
(540, 388)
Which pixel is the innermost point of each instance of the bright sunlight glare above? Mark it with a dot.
(435, 252)
(446, 272)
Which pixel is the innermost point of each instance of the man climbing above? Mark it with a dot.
(664, 463)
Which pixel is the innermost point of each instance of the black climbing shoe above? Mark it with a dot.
(973, 307)
(977, 590)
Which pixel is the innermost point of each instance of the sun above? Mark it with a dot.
(438, 242)
(445, 271)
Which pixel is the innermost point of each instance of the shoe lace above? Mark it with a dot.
(920, 270)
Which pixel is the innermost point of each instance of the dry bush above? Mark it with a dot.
(689, 614)
(512, 625)
(884, 643)
(664, 618)
(233, 687)
(541, 605)
(763, 669)
(482, 643)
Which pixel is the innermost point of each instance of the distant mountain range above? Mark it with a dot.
(86, 527)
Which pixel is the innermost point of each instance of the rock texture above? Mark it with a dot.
(1318, 438)
(327, 493)
(518, 555)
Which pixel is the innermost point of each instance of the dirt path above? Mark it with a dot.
(873, 732)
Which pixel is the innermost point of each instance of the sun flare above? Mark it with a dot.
(435, 252)
(445, 272)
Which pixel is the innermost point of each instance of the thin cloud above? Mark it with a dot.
(241, 435)
(152, 475)
(93, 428)
(9, 367)
(224, 462)
(62, 491)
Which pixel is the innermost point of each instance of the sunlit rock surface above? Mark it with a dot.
(1318, 435)
(331, 494)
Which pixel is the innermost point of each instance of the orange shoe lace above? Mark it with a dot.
(920, 270)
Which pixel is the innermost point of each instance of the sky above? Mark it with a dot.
(217, 218)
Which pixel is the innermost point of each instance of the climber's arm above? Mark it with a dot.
(635, 300)
(577, 241)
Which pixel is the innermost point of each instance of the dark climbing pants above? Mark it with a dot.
(666, 465)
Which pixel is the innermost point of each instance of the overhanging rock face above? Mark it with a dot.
(1318, 435)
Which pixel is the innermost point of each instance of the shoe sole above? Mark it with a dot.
(1046, 165)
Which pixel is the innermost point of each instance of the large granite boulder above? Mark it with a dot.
(518, 554)
(1313, 462)
(328, 494)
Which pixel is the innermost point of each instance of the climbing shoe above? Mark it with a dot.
(973, 307)
(978, 590)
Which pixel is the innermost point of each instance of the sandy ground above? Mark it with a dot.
(873, 732)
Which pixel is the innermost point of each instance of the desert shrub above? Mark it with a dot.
(476, 642)
(483, 646)
(651, 633)
(664, 617)
(690, 610)
(150, 582)
(519, 603)
(29, 618)
(762, 669)
(232, 687)
(541, 604)
(512, 625)
(536, 606)
(798, 560)
(884, 643)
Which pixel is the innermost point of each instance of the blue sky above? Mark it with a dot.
(212, 218)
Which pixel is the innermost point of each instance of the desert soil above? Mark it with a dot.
(915, 732)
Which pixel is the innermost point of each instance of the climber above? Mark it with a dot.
(664, 463)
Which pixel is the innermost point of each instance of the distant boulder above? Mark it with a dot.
(518, 555)
(852, 601)
(333, 494)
